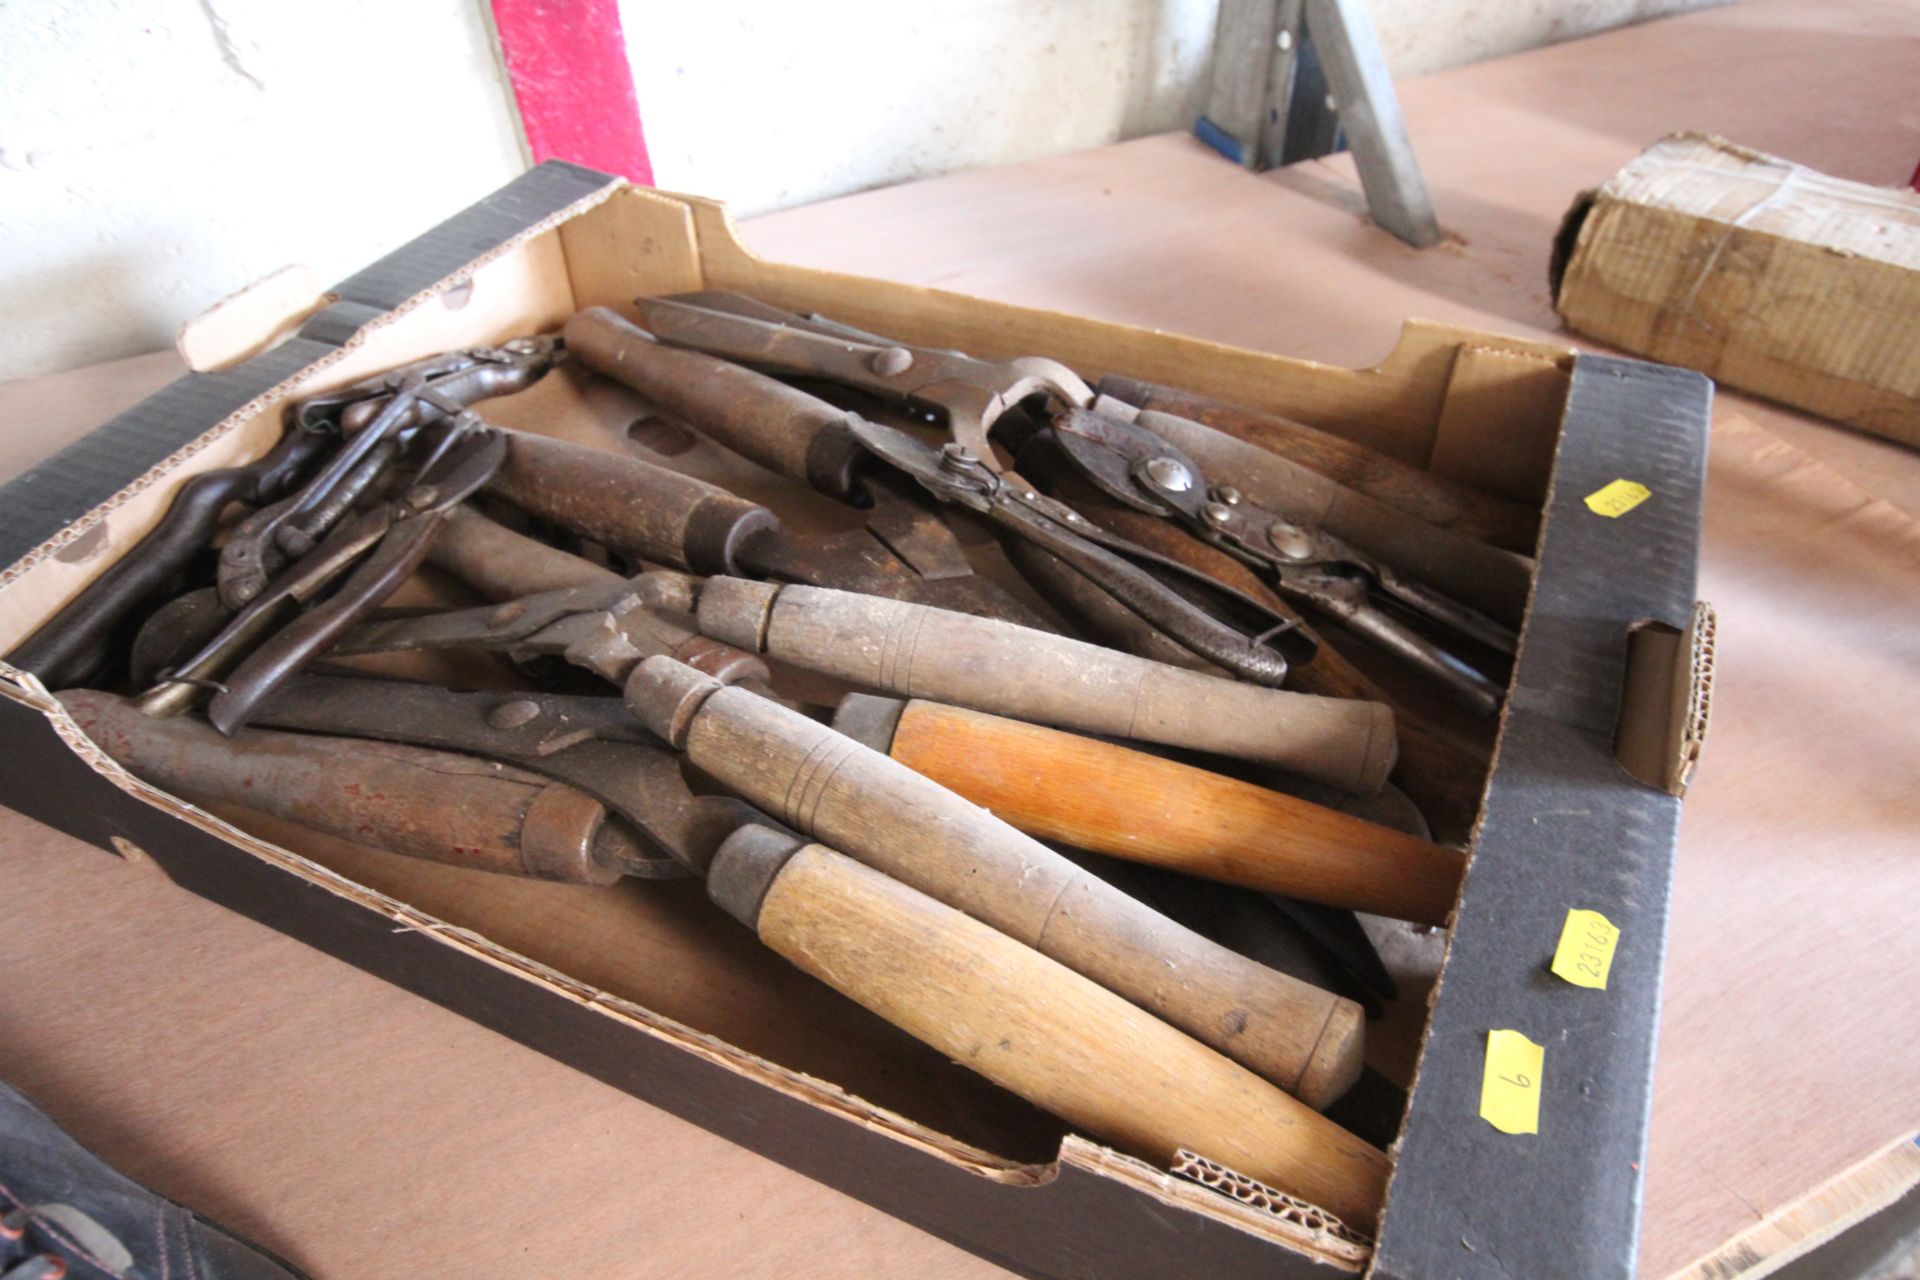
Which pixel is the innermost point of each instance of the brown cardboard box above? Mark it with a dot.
(1761, 273)
(649, 987)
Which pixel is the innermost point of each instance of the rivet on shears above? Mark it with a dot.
(1169, 474)
(1290, 541)
(889, 361)
(511, 715)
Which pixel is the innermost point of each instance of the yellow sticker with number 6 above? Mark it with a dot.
(1510, 1085)
(1585, 954)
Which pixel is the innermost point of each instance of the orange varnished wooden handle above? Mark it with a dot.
(1036, 1027)
(1126, 803)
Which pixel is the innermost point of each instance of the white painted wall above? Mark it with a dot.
(156, 155)
(769, 105)
(1427, 35)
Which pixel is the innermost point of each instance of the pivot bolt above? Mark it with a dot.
(1218, 513)
(1290, 540)
(511, 715)
(890, 361)
(1168, 474)
(956, 457)
(1228, 494)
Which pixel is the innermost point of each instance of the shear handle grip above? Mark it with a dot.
(503, 565)
(780, 427)
(631, 507)
(877, 810)
(916, 651)
(425, 804)
(1033, 1025)
(1094, 795)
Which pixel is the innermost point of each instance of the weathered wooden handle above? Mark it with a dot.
(1304, 1039)
(1035, 1026)
(433, 805)
(780, 427)
(1435, 499)
(631, 507)
(503, 565)
(922, 652)
(1128, 804)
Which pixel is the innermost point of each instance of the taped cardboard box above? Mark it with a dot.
(650, 988)
(1762, 273)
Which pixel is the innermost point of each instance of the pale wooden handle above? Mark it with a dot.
(1047, 1033)
(814, 780)
(1095, 795)
(922, 652)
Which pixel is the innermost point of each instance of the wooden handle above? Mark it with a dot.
(917, 651)
(780, 427)
(1128, 804)
(804, 774)
(1435, 499)
(503, 565)
(1035, 1026)
(433, 805)
(631, 507)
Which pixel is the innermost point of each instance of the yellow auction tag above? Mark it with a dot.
(1585, 954)
(1617, 497)
(1510, 1086)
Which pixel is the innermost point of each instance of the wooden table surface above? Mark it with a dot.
(361, 1131)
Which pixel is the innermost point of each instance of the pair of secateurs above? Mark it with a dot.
(1327, 547)
(303, 569)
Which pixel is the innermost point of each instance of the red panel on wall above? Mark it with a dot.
(567, 62)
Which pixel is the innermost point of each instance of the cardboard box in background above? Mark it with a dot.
(1764, 274)
(654, 991)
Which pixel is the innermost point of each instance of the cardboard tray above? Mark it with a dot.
(646, 990)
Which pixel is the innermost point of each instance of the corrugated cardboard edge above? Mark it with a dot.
(1668, 700)
(251, 320)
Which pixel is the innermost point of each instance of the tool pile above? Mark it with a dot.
(1110, 678)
